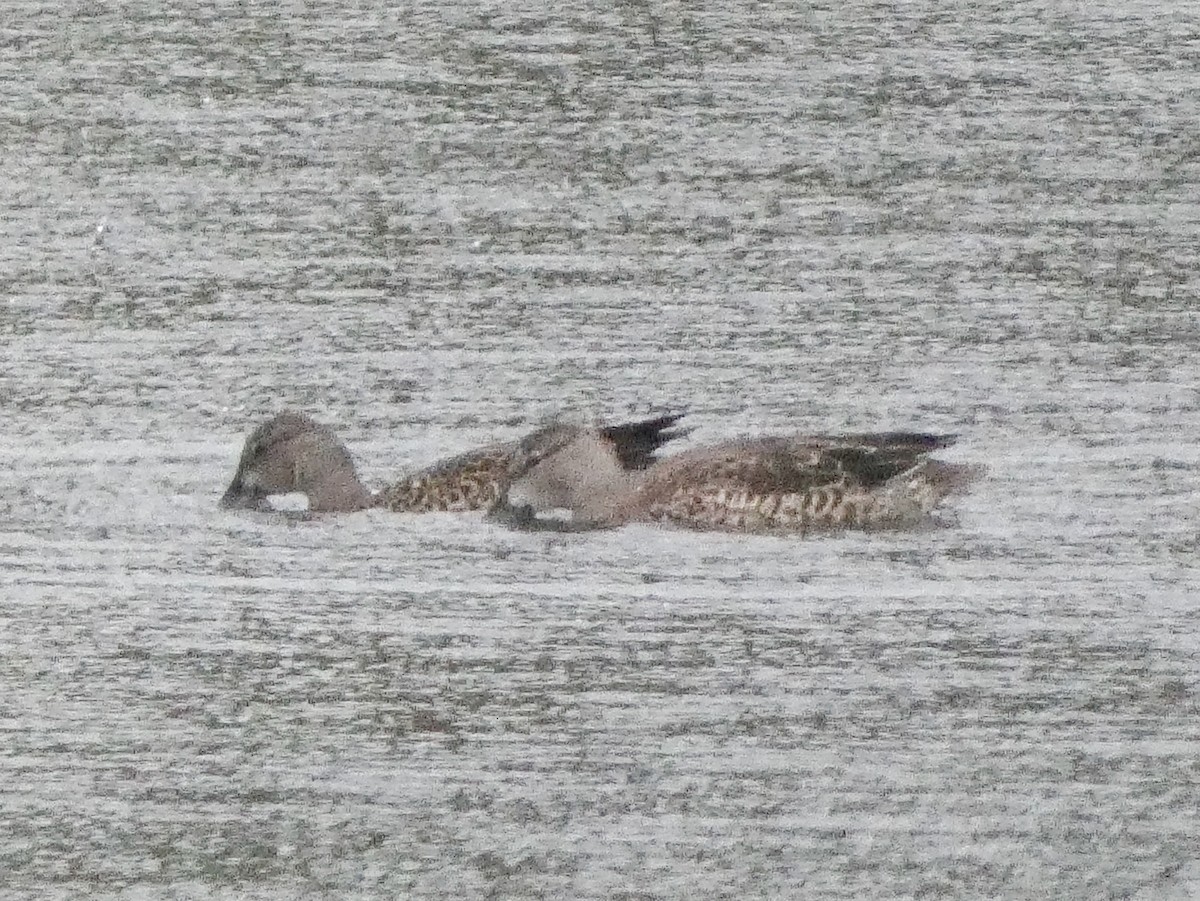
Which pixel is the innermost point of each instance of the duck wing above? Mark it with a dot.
(801, 464)
(636, 444)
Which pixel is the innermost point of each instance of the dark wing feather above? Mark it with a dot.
(636, 443)
(778, 466)
(872, 459)
(916, 442)
(783, 467)
(867, 466)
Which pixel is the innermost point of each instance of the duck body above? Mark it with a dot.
(469, 481)
(775, 484)
(801, 484)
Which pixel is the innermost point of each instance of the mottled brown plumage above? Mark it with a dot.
(798, 484)
(770, 484)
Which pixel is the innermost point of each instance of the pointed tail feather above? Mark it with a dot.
(637, 443)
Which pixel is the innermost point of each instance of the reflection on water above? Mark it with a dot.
(434, 226)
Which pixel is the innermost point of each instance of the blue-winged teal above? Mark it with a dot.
(295, 453)
(795, 484)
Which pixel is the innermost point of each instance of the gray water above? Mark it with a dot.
(435, 224)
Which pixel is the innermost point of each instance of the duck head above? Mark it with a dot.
(294, 453)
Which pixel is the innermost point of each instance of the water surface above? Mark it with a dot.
(435, 225)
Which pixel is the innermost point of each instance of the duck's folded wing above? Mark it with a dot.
(777, 466)
(907, 442)
(865, 460)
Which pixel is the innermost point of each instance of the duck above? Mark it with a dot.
(292, 452)
(775, 484)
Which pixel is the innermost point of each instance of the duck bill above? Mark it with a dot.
(240, 496)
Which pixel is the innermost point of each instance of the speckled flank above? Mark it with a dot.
(741, 510)
(474, 486)
(802, 484)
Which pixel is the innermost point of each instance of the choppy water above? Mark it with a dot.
(432, 225)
